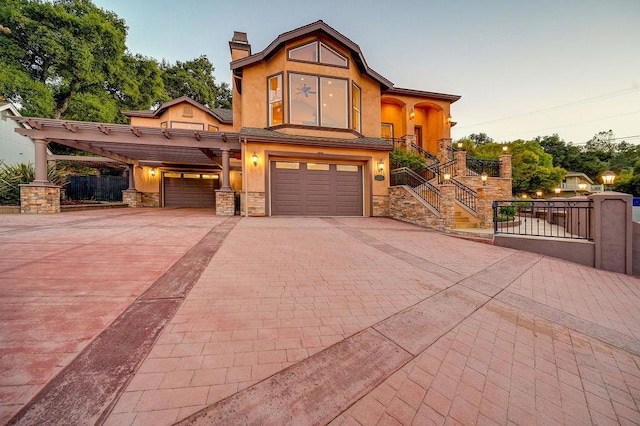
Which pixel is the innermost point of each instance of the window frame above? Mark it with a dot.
(354, 109)
(319, 113)
(269, 103)
(390, 125)
(318, 44)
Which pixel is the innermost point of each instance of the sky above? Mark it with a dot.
(523, 68)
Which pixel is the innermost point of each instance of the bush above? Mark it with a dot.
(403, 158)
(12, 176)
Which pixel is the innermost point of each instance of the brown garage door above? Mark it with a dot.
(316, 189)
(189, 190)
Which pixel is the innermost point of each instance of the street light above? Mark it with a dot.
(607, 178)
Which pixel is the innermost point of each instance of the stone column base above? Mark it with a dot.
(36, 198)
(132, 197)
(225, 203)
(381, 205)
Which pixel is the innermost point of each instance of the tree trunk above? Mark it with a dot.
(63, 104)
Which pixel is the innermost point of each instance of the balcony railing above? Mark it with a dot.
(476, 167)
(553, 219)
(418, 184)
(572, 186)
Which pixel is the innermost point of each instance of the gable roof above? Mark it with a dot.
(422, 94)
(223, 115)
(7, 107)
(313, 28)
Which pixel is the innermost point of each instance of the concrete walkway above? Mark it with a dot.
(152, 316)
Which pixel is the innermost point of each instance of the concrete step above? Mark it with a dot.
(465, 225)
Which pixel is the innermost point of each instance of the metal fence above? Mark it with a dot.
(541, 218)
(98, 188)
(476, 167)
(420, 186)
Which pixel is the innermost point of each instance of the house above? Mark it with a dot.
(576, 183)
(310, 134)
(14, 148)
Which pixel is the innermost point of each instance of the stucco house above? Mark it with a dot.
(578, 182)
(310, 134)
(14, 148)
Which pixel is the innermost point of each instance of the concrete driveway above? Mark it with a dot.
(158, 316)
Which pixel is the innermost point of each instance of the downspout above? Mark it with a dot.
(244, 178)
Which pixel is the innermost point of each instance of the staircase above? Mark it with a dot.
(463, 221)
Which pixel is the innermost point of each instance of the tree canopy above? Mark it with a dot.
(69, 59)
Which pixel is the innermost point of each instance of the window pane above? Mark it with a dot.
(303, 94)
(210, 176)
(317, 166)
(213, 128)
(356, 100)
(346, 168)
(331, 57)
(191, 176)
(308, 52)
(334, 103)
(287, 165)
(172, 175)
(387, 131)
(275, 100)
(183, 125)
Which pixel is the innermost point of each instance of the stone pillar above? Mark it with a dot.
(132, 177)
(448, 205)
(505, 166)
(225, 170)
(460, 168)
(485, 207)
(225, 202)
(132, 197)
(41, 175)
(444, 150)
(613, 231)
(36, 198)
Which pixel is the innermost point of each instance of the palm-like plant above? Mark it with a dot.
(14, 175)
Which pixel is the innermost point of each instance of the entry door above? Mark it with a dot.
(417, 130)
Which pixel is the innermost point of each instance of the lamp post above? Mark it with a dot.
(483, 178)
(557, 190)
(607, 178)
(539, 194)
(582, 187)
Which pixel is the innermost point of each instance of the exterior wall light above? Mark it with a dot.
(539, 194)
(412, 114)
(557, 190)
(505, 148)
(447, 177)
(484, 178)
(607, 178)
(380, 166)
(254, 159)
(460, 145)
(153, 172)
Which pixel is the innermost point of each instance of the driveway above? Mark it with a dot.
(158, 316)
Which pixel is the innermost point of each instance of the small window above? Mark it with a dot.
(356, 100)
(331, 57)
(163, 125)
(287, 165)
(206, 176)
(213, 128)
(275, 100)
(307, 53)
(191, 176)
(187, 111)
(172, 175)
(387, 131)
(183, 125)
(346, 168)
(317, 166)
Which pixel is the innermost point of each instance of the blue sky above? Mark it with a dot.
(523, 68)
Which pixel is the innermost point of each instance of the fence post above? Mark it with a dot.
(505, 166)
(461, 163)
(613, 231)
(448, 205)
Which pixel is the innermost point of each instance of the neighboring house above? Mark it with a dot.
(579, 183)
(310, 133)
(14, 148)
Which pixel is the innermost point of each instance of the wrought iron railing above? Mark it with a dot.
(466, 195)
(476, 167)
(553, 219)
(448, 167)
(429, 172)
(418, 184)
(424, 153)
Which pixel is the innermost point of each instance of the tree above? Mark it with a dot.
(479, 138)
(195, 79)
(533, 168)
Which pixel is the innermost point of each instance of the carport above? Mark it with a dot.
(133, 145)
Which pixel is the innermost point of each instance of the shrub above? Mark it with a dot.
(12, 176)
(403, 158)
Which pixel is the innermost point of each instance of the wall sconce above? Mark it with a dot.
(557, 190)
(447, 177)
(449, 119)
(460, 145)
(505, 148)
(483, 178)
(412, 114)
(607, 178)
(254, 159)
(152, 172)
(380, 166)
(539, 194)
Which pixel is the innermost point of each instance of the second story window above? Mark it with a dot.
(275, 100)
(318, 101)
(356, 101)
(317, 52)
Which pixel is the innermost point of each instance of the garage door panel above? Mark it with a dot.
(189, 192)
(317, 189)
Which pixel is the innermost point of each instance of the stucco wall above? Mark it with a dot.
(14, 148)
(636, 248)
(175, 114)
(578, 251)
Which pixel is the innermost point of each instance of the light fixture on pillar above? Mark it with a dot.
(446, 176)
(483, 178)
(582, 187)
(254, 159)
(412, 114)
(380, 166)
(539, 194)
(607, 178)
(152, 172)
(460, 145)
(557, 190)
(505, 148)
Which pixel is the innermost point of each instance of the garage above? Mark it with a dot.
(190, 189)
(316, 189)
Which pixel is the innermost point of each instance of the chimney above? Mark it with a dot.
(239, 46)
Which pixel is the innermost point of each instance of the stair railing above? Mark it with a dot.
(405, 176)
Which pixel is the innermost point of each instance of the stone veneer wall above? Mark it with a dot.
(256, 203)
(225, 203)
(150, 199)
(39, 199)
(381, 205)
(407, 206)
(132, 198)
(496, 189)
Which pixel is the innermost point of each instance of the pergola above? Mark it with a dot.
(133, 145)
